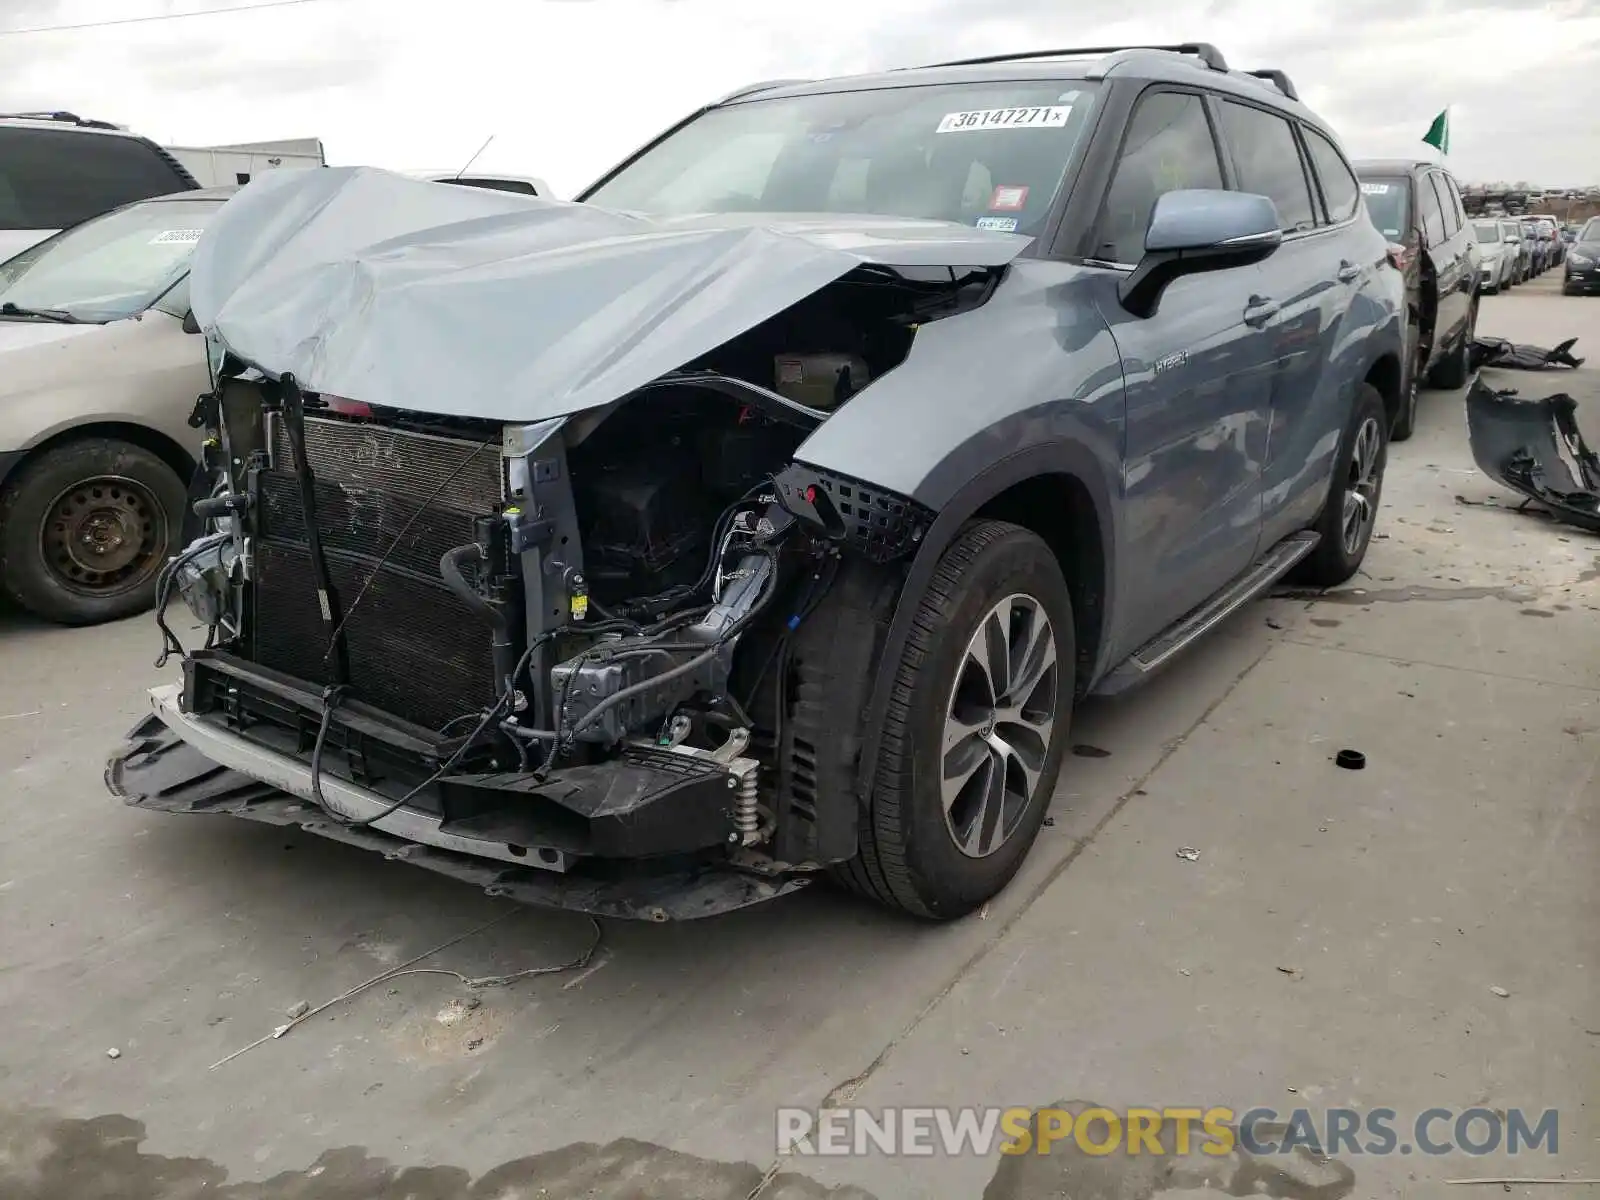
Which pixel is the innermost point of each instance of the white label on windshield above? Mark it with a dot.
(1047, 116)
(1375, 189)
(1003, 224)
(181, 237)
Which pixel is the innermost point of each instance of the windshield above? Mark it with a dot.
(1487, 231)
(1388, 206)
(1511, 232)
(986, 154)
(111, 267)
(1591, 231)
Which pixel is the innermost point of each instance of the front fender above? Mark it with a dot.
(1028, 385)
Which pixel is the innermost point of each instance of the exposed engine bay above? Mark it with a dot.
(565, 642)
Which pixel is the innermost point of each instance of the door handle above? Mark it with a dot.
(1259, 311)
(1348, 272)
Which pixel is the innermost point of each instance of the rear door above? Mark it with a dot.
(1445, 245)
(1198, 375)
(51, 179)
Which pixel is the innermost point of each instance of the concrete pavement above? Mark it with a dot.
(1335, 942)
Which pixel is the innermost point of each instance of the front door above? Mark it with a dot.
(1199, 378)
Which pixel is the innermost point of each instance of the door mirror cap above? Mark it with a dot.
(1199, 230)
(190, 325)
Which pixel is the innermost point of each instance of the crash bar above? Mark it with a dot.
(1206, 52)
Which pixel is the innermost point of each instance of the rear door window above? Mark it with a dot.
(1432, 213)
(1339, 190)
(1447, 208)
(1268, 162)
(53, 178)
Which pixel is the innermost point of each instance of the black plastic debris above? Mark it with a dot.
(1497, 352)
(1534, 447)
(1350, 760)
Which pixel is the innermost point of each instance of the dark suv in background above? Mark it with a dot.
(1417, 206)
(1583, 260)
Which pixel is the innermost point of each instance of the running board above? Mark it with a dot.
(1166, 645)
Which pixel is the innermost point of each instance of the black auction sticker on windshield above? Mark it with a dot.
(1046, 116)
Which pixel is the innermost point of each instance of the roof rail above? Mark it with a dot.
(65, 118)
(1278, 78)
(1206, 52)
(750, 89)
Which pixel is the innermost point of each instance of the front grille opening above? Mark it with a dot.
(415, 650)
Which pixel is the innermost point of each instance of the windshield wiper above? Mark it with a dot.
(61, 315)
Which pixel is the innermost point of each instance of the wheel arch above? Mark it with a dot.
(1059, 492)
(1387, 377)
(163, 447)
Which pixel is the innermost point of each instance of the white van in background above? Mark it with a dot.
(237, 164)
(57, 169)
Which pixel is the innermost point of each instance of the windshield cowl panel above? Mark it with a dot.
(111, 267)
(989, 155)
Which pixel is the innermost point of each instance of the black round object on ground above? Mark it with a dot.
(1350, 760)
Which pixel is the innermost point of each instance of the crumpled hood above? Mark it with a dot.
(470, 302)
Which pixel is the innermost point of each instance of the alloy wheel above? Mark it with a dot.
(998, 724)
(103, 536)
(1361, 488)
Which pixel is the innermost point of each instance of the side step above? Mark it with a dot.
(1166, 645)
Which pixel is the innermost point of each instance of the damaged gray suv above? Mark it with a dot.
(764, 514)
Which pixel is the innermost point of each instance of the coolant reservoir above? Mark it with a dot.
(822, 381)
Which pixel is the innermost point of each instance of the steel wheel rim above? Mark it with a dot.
(103, 536)
(998, 723)
(1361, 489)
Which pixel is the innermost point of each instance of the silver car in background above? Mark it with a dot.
(1497, 268)
(1511, 235)
(100, 366)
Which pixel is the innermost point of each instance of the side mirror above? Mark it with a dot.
(1199, 230)
(190, 325)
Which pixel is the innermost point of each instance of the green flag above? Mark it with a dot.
(1438, 135)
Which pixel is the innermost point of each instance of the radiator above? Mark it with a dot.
(415, 650)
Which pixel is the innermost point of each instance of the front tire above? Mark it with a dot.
(1351, 511)
(85, 529)
(976, 728)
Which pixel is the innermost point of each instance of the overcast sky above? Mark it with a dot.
(568, 86)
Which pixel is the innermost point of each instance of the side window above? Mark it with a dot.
(1447, 208)
(1168, 148)
(1340, 192)
(1455, 199)
(1268, 159)
(52, 178)
(1432, 213)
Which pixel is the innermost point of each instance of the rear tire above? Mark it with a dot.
(1357, 484)
(85, 529)
(938, 848)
